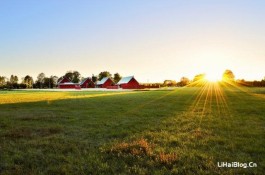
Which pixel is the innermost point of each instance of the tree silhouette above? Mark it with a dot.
(199, 77)
(228, 75)
(103, 74)
(13, 81)
(40, 80)
(28, 81)
(117, 77)
(170, 83)
(183, 81)
(2, 81)
(94, 78)
(73, 76)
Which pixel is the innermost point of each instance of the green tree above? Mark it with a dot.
(184, 81)
(199, 77)
(94, 78)
(103, 74)
(263, 82)
(40, 80)
(28, 81)
(170, 83)
(47, 82)
(73, 76)
(117, 77)
(54, 80)
(13, 81)
(228, 75)
(2, 81)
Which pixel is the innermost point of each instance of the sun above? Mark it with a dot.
(212, 77)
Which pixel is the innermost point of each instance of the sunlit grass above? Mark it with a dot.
(184, 131)
(23, 97)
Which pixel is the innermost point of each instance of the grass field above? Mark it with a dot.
(185, 131)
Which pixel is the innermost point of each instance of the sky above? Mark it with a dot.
(153, 40)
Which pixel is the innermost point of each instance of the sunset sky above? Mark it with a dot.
(153, 40)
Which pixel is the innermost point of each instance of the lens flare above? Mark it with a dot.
(212, 77)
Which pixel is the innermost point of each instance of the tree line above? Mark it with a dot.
(44, 82)
(228, 77)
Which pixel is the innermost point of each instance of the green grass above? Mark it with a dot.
(186, 131)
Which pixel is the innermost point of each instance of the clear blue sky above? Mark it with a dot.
(151, 39)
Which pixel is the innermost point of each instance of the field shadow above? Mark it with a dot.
(143, 131)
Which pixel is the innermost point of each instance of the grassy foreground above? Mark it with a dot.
(185, 131)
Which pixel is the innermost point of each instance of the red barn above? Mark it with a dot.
(105, 82)
(65, 83)
(69, 86)
(87, 83)
(128, 83)
(63, 80)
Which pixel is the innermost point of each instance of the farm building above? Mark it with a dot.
(63, 80)
(69, 85)
(129, 83)
(105, 82)
(87, 83)
(65, 83)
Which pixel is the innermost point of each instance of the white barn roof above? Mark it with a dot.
(68, 83)
(102, 81)
(85, 80)
(125, 80)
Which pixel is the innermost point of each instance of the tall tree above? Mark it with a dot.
(228, 75)
(40, 80)
(74, 76)
(170, 83)
(54, 80)
(2, 81)
(199, 77)
(77, 77)
(117, 77)
(263, 82)
(28, 81)
(47, 82)
(103, 74)
(13, 81)
(183, 81)
(50, 82)
(94, 78)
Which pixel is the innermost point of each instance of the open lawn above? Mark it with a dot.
(184, 131)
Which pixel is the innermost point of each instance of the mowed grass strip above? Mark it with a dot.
(186, 131)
